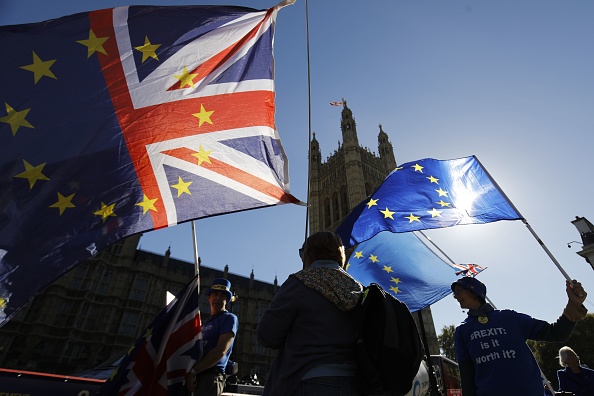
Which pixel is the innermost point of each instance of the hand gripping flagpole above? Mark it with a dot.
(540, 242)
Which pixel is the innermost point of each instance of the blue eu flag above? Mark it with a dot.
(427, 194)
(405, 267)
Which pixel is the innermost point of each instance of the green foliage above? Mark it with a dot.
(546, 353)
(446, 341)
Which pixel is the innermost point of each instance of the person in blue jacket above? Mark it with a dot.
(207, 377)
(575, 377)
(491, 345)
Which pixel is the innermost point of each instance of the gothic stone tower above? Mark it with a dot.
(347, 177)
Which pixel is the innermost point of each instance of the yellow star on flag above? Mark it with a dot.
(387, 213)
(147, 204)
(359, 254)
(434, 213)
(398, 168)
(418, 168)
(94, 44)
(203, 116)
(148, 334)
(182, 187)
(395, 289)
(186, 78)
(63, 203)
(32, 173)
(433, 179)
(443, 203)
(40, 68)
(346, 267)
(395, 280)
(442, 193)
(388, 269)
(106, 211)
(202, 155)
(114, 373)
(372, 202)
(148, 49)
(16, 119)
(412, 218)
(373, 258)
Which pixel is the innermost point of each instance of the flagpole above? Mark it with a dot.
(308, 118)
(540, 242)
(196, 258)
(432, 380)
(435, 246)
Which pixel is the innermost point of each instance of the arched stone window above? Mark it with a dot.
(344, 201)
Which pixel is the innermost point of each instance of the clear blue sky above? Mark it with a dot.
(508, 81)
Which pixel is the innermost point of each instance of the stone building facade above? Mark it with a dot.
(345, 179)
(97, 311)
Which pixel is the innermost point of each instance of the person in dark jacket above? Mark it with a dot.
(311, 322)
(491, 345)
(575, 377)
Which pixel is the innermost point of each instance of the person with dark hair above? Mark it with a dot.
(575, 377)
(491, 345)
(312, 323)
(207, 377)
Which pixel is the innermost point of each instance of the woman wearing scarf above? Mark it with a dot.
(312, 322)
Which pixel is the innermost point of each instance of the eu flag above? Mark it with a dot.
(405, 267)
(428, 194)
(125, 120)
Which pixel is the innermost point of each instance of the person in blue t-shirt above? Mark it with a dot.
(491, 345)
(207, 377)
(575, 377)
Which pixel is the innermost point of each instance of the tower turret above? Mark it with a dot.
(386, 151)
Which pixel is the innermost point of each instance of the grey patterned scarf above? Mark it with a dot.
(334, 284)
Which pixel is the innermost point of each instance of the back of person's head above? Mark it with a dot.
(563, 354)
(323, 245)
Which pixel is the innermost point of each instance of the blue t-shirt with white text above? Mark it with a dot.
(503, 363)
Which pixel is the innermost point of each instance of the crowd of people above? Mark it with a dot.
(311, 323)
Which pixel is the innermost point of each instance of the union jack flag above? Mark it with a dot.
(159, 362)
(125, 120)
(468, 269)
(336, 103)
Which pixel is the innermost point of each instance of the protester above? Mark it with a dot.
(207, 377)
(311, 323)
(575, 377)
(491, 345)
